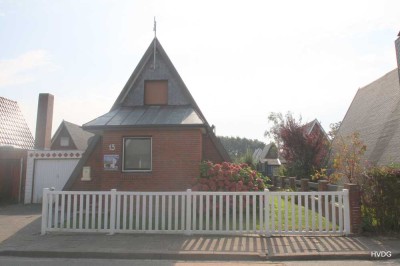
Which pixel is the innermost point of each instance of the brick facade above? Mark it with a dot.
(176, 156)
(210, 152)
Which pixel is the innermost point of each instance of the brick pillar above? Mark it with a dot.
(304, 184)
(292, 183)
(275, 181)
(322, 185)
(355, 207)
(282, 178)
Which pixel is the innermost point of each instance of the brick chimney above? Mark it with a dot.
(44, 121)
(397, 44)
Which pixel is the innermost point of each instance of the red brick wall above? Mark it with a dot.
(176, 156)
(210, 152)
(95, 162)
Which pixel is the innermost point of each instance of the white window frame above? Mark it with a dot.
(123, 155)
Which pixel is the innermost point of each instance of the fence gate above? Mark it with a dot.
(266, 213)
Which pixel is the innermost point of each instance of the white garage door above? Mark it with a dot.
(51, 173)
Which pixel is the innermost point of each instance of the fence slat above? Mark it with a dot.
(221, 206)
(227, 199)
(240, 213)
(313, 212)
(157, 211)
(201, 211)
(234, 211)
(320, 213)
(254, 213)
(286, 214)
(207, 212)
(326, 213)
(137, 211)
(62, 221)
(74, 211)
(56, 211)
(124, 208)
(87, 214)
(214, 212)
(93, 211)
(81, 211)
(150, 225)
(333, 213)
(340, 203)
(144, 213)
(131, 212)
(169, 213)
(279, 214)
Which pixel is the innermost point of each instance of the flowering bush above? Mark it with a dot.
(228, 177)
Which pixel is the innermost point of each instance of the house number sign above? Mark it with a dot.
(111, 147)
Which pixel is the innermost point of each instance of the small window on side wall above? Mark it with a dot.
(137, 154)
(156, 92)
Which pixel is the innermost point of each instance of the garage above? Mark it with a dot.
(50, 173)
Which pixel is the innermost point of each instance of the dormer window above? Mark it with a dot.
(156, 92)
(64, 141)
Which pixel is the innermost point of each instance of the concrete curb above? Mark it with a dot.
(196, 256)
(331, 256)
(201, 256)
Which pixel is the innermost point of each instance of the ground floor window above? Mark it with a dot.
(137, 154)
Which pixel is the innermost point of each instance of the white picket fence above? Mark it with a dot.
(267, 213)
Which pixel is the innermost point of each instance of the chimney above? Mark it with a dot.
(44, 121)
(397, 44)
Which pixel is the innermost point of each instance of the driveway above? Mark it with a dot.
(15, 217)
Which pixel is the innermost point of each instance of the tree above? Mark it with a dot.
(238, 147)
(347, 160)
(304, 152)
(334, 128)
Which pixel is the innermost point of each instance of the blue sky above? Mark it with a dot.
(241, 60)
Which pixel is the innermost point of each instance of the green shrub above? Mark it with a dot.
(380, 197)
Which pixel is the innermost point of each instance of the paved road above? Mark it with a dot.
(14, 261)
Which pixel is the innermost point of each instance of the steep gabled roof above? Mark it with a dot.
(129, 110)
(13, 128)
(311, 125)
(375, 114)
(78, 136)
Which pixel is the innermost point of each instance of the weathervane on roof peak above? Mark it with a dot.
(155, 37)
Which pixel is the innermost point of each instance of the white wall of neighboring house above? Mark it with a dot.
(46, 169)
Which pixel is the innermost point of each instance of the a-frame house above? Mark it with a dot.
(153, 138)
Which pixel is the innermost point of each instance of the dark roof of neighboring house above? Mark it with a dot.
(310, 126)
(13, 128)
(375, 115)
(260, 155)
(78, 136)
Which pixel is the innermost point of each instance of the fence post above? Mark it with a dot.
(354, 207)
(346, 211)
(113, 203)
(292, 183)
(45, 210)
(188, 230)
(304, 184)
(266, 212)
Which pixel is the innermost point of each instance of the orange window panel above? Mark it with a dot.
(156, 92)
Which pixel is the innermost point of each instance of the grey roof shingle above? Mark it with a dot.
(147, 116)
(375, 114)
(13, 128)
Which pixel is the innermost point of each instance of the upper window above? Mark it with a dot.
(64, 141)
(156, 92)
(137, 154)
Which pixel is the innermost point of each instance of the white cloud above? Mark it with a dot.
(22, 69)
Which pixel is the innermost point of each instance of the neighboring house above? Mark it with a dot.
(15, 140)
(314, 127)
(154, 137)
(267, 160)
(375, 114)
(52, 161)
